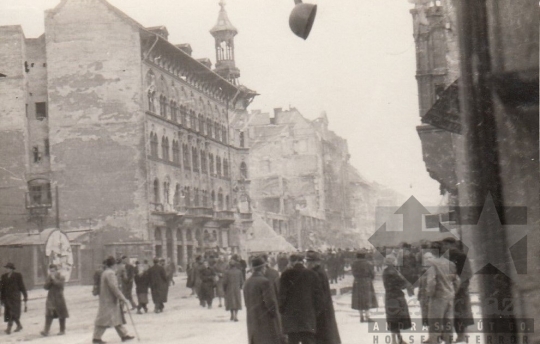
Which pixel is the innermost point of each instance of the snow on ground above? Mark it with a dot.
(184, 321)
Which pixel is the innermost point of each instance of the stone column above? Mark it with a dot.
(174, 255)
(163, 242)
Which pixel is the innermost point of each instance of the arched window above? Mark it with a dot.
(218, 166)
(193, 120)
(220, 200)
(185, 157)
(174, 111)
(184, 115)
(210, 128)
(165, 148)
(226, 168)
(196, 197)
(205, 198)
(195, 159)
(243, 170)
(227, 203)
(189, 235)
(163, 106)
(216, 131)
(157, 235)
(187, 195)
(213, 199)
(175, 152)
(156, 190)
(211, 163)
(166, 192)
(201, 124)
(153, 144)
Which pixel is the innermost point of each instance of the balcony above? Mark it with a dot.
(224, 216)
(200, 212)
(246, 216)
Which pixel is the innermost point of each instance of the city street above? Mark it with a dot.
(184, 321)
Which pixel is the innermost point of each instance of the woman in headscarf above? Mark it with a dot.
(397, 311)
(363, 293)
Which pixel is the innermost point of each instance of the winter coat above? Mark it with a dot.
(262, 310)
(273, 277)
(397, 310)
(300, 297)
(109, 311)
(55, 306)
(363, 293)
(327, 330)
(232, 285)
(11, 288)
(220, 269)
(208, 283)
(142, 283)
(158, 283)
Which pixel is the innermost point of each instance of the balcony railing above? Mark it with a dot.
(200, 212)
(224, 215)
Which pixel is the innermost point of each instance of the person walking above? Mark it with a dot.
(327, 330)
(11, 289)
(442, 283)
(111, 299)
(208, 282)
(396, 308)
(198, 268)
(282, 262)
(170, 269)
(261, 307)
(220, 268)
(127, 274)
(363, 293)
(142, 284)
(55, 306)
(300, 297)
(158, 285)
(233, 281)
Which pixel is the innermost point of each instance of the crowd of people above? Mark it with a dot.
(287, 297)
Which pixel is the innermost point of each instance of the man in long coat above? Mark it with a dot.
(300, 298)
(110, 309)
(262, 308)
(327, 330)
(127, 274)
(55, 306)
(363, 293)
(158, 285)
(208, 283)
(232, 285)
(11, 289)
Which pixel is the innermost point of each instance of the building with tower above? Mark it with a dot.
(122, 138)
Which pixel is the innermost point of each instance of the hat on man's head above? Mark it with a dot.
(257, 262)
(313, 256)
(10, 266)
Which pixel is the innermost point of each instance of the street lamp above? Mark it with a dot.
(302, 18)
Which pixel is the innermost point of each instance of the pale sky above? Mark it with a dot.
(358, 65)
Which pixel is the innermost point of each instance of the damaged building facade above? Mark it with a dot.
(303, 184)
(111, 131)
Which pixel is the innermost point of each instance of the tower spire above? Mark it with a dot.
(224, 32)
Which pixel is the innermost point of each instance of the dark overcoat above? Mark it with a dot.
(232, 285)
(142, 283)
(262, 311)
(55, 306)
(397, 310)
(462, 302)
(327, 329)
(208, 283)
(363, 293)
(11, 289)
(300, 297)
(158, 283)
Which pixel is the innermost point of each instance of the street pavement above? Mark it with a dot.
(184, 321)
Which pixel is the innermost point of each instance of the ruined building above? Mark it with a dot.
(121, 137)
(303, 185)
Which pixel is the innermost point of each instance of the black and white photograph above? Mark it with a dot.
(269, 171)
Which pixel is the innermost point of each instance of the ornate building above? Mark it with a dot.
(115, 132)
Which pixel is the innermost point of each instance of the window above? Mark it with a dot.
(39, 193)
(196, 197)
(176, 199)
(211, 163)
(166, 192)
(163, 105)
(175, 152)
(213, 199)
(242, 139)
(156, 190)
(218, 166)
(183, 115)
(36, 154)
(210, 128)
(195, 158)
(226, 168)
(153, 145)
(201, 124)
(174, 111)
(205, 198)
(187, 195)
(41, 110)
(47, 147)
(165, 148)
(220, 200)
(223, 134)
(216, 131)
(152, 101)
(204, 166)
(227, 203)
(185, 157)
(243, 170)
